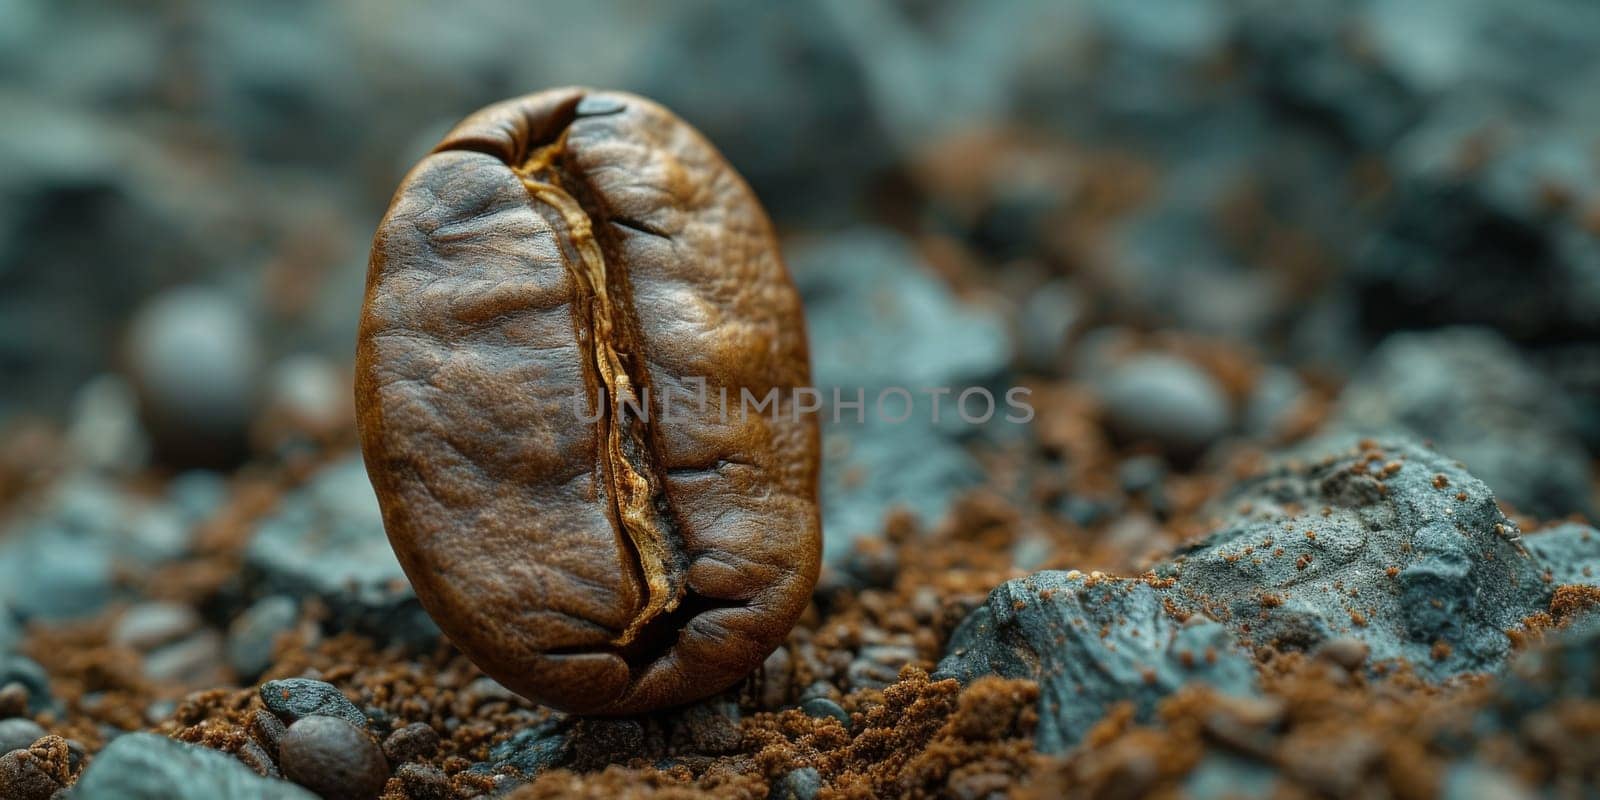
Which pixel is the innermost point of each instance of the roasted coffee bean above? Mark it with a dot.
(548, 294)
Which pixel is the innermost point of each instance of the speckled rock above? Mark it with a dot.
(1385, 541)
(148, 766)
(1475, 398)
(1091, 642)
(295, 698)
(326, 541)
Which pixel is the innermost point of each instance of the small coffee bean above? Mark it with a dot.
(333, 758)
(577, 386)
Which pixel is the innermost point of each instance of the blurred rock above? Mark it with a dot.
(104, 430)
(252, 633)
(146, 626)
(821, 707)
(1091, 643)
(16, 670)
(1273, 402)
(798, 784)
(1474, 397)
(18, 733)
(194, 660)
(195, 361)
(307, 403)
(326, 540)
(882, 326)
(60, 560)
(1387, 542)
(10, 629)
(801, 84)
(149, 766)
(1165, 400)
(1570, 553)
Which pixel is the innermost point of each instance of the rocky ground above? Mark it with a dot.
(1307, 301)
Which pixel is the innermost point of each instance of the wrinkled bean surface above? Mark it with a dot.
(542, 281)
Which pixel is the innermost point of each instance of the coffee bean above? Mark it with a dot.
(333, 758)
(547, 293)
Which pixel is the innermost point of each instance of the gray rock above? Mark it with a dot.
(799, 784)
(880, 323)
(146, 626)
(19, 732)
(1393, 544)
(196, 659)
(1091, 642)
(1272, 402)
(820, 707)
(10, 629)
(1471, 781)
(1166, 400)
(1471, 394)
(59, 561)
(294, 698)
(532, 750)
(148, 766)
(252, 633)
(31, 677)
(195, 362)
(326, 541)
(1569, 553)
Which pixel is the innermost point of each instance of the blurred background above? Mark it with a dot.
(1183, 223)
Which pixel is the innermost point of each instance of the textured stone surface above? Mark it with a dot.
(295, 698)
(148, 766)
(1392, 543)
(1091, 643)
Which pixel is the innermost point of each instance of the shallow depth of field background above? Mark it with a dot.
(967, 191)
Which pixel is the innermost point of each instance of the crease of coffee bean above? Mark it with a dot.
(638, 501)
